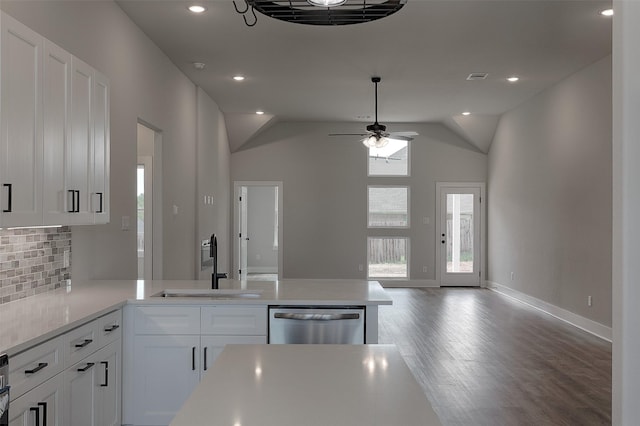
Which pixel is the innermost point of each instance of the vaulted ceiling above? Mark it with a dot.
(423, 53)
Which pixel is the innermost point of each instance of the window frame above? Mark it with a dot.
(407, 250)
(408, 225)
(369, 174)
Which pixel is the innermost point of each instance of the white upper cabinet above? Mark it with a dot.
(101, 149)
(79, 160)
(20, 124)
(57, 103)
(54, 140)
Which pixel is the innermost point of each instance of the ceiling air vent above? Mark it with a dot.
(477, 76)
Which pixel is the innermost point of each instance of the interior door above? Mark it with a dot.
(459, 236)
(243, 235)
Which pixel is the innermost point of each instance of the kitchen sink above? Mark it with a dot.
(211, 293)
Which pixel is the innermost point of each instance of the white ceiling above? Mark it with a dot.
(423, 53)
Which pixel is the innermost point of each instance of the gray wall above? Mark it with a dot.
(550, 177)
(325, 192)
(213, 181)
(262, 256)
(144, 85)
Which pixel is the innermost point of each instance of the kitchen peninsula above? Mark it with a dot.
(127, 333)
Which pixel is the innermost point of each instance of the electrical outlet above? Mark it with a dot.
(589, 301)
(361, 267)
(66, 262)
(424, 269)
(512, 276)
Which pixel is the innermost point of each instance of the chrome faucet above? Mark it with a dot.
(213, 254)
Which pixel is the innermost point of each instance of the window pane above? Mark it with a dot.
(390, 160)
(388, 206)
(459, 233)
(388, 258)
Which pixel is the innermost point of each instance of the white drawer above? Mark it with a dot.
(81, 342)
(110, 328)
(166, 320)
(234, 320)
(34, 366)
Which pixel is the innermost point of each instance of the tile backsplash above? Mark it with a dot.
(32, 261)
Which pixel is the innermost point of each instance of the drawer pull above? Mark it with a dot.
(38, 368)
(86, 367)
(111, 328)
(84, 343)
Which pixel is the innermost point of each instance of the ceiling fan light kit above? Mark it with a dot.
(377, 136)
(318, 12)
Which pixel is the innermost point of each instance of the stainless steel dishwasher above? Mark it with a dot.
(337, 325)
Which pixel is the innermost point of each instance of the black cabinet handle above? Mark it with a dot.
(86, 367)
(100, 209)
(111, 328)
(37, 411)
(9, 187)
(44, 412)
(205, 358)
(193, 358)
(73, 201)
(106, 374)
(77, 201)
(40, 366)
(84, 343)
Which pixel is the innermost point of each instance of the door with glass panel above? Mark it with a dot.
(459, 235)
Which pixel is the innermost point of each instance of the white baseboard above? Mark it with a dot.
(590, 326)
(408, 283)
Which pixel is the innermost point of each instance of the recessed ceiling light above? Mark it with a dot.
(199, 65)
(260, 112)
(466, 113)
(196, 8)
(607, 12)
(513, 79)
(238, 77)
(326, 3)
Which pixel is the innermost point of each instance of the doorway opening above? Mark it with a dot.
(148, 202)
(258, 224)
(460, 234)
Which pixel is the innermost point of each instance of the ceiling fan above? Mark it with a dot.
(377, 135)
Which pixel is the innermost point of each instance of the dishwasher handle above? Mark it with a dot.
(316, 317)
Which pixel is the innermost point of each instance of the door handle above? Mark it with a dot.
(44, 412)
(100, 209)
(205, 358)
(193, 358)
(106, 374)
(9, 187)
(84, 343)
(37, 411)
(38, 368)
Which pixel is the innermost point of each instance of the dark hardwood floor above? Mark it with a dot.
(485, 359)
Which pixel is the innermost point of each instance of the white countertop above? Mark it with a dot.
(292, 385)
(28, 322)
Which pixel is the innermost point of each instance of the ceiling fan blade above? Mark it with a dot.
(348, 134)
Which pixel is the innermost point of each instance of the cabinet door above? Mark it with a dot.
(20, 124)
(101, 149)
(79, 160)
(108, 410)
(43, 403)
(56, 110)
(166, 369)
(80, 381)
(212, 346)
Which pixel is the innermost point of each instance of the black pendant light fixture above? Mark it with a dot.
(319, 12)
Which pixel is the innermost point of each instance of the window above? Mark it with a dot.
(390, 160)
(388, 257)
(388, 207)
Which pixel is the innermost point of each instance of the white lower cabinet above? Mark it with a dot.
(92, 387)
(163, 368)
(40, 406)
(88, 392)
(166, 370)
